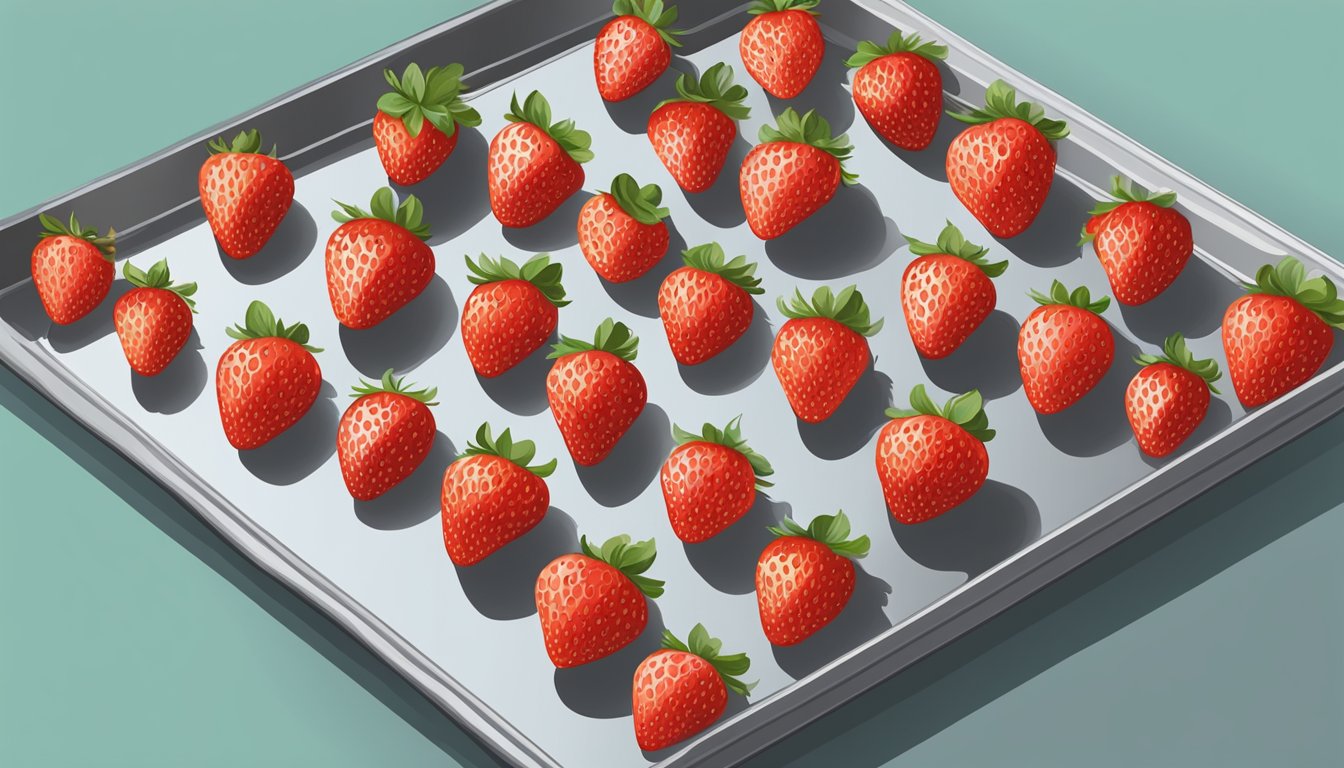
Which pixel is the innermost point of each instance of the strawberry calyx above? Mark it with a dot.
(730, 436)
(539, 270)
(521, 452)
(813, 130)
(759, 7)
(247, 142)
(952, 243)
(847, 308)
(1001, 101)
(642, 203)
(1175, 352)
(261, 323)
(434, 96)
(158, 277)
(652, 13)
(710, 258)
(396, 386)
(1081, 298)
(831, 530)
(52, 227)
(715, 88)
(729, 666)
(1288, 278)
(966, 410)
(611, 336)
(630, 559)
(898, 42)
(1126, 190)
(537, 111)
(409, 215)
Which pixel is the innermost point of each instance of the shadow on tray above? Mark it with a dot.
(860, 621)
(413, 500)
(291, 243)
(854, 423)
(738, 366)
(992, 525)
(633, 463)
(176, 386)
(601, 688)
(727, 562)
(503, 585)
(808, 250)
(298, 451)
(521, 390)
(406, 339)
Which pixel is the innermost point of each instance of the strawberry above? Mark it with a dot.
(634, 48)
(1142, 242)
(931, 459)
(377, 260)
(1002, 166)
(681, 689)
(511, 312)
(792, 173)
(706, 305)
(592, 604)
(153, 319)
(898, 88)
(1168, 397)
(782, 47)
(594, 391)
(72, 268)
(415, 128)
(946, 293)
(492, 494)
(692, 134)
(384, 435)
(1064, 347)
(805, 576)
(533, 165)
(820, 353)
(266, 380)
(621, 232)
(710, 480)
(1278, 335)
(244, 194)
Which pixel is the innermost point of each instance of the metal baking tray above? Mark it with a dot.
(1062, 488)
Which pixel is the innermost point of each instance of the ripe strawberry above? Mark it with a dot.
(1064, 347)
(1002, 166)
(533, 165)
(1278, 335)
(266, 380)
(72, 268)
(592, 604)
(244, 194)
(1142, 243)
(820, 353)
(710, 480)
(492, 495)
(693, 134)
(384, 435)
(706, 305)
(415, 128)
(947, 293)
(804, 578)
(153, 319)
(782, 47)
(792, 173)
(899, 89)
(1168, 397)
(511, 312)
(682, 689)
(377, 260)
(931, 459)
(632, 49)
(621, 232)
(594, 391)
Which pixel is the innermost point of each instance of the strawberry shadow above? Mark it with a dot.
(455, 196)
(556, 232)
(737, 366)
(1096, 423)
(854, 423)
(503, 586)
(1194, 304)
(521, 390)
(991, 526)
(22, 310)
(931, 161)
(633, 463)
(632, 115)
(721, 204)
(412, 335)
(297, 452)
(827, 92)
(89, 328)
(1052, 238)
(293, 241)
(809, 250)
(176, 386)
(602, 688)
(640, 296)
(862, 619)
(413, 500)
(727, 562)
(1218, 418)
(986, 361)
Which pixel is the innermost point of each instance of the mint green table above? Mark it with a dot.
(130, 636)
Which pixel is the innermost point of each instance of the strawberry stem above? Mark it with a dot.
(521, 452)
(813, 130)
(434, 96)
(611, 336)
(897, 43)
(710, 258)
(538, 270)
(715, 88)
(759, 7)
(1001, 102)
(1175, 352)
(159, 277)
(52, 227)
(652, 13)
(1081, 298)
(1288, 278)
(261, 323)
(247, 142)
(383, 207)
(396, 386)
(847, 308)
(952, 243)
(831, 530)
(642, 203)
(630, 559)
(729, 666)
(537, 111)
(729, 436)
(966, 410)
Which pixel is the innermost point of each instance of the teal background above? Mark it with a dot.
(130, 636)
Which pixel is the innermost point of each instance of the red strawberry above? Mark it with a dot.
(782, 47)
(595, 392)
(682, 689)
(804, 578)
(1002, 166)
(632, 49)
(947, 293)
(492, 495)
(244, 194)
(693, 134)
(592, 605)
(706, 305)
(384, 435)
(415, 128)
(792, 173)
(1142, 242)
(899, 89)
(621, 232)
(820, 353)
(534, 166)
(511, 312)
(72, 268)
(1168, 397)
(1064, 347)
(266, 380)
(710, 480)
(377, 260)
(153, 319)
(1278, 335)
(931, 459)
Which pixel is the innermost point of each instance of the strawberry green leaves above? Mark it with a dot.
(247, 142)
(1001, 102)
(952, 243)
(521, 452)
(396, 386)
(631, 559)
(653, 13)
(831, 530)
(642, 203)
(1288, 278)
(898, 42)
(52, 227)
(538, 270)
(1081, 298)
(966, 410)
(710, 258)
(611, 336)
(537, 111)
(759, 7)
(847, 308)
(1126, 190)
(433, 96)
(813, 130)
(715, 88)
(729, 666)
(730, 436)
(261, 323)
(1175, 352)
(159, 277)
(409, 215)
